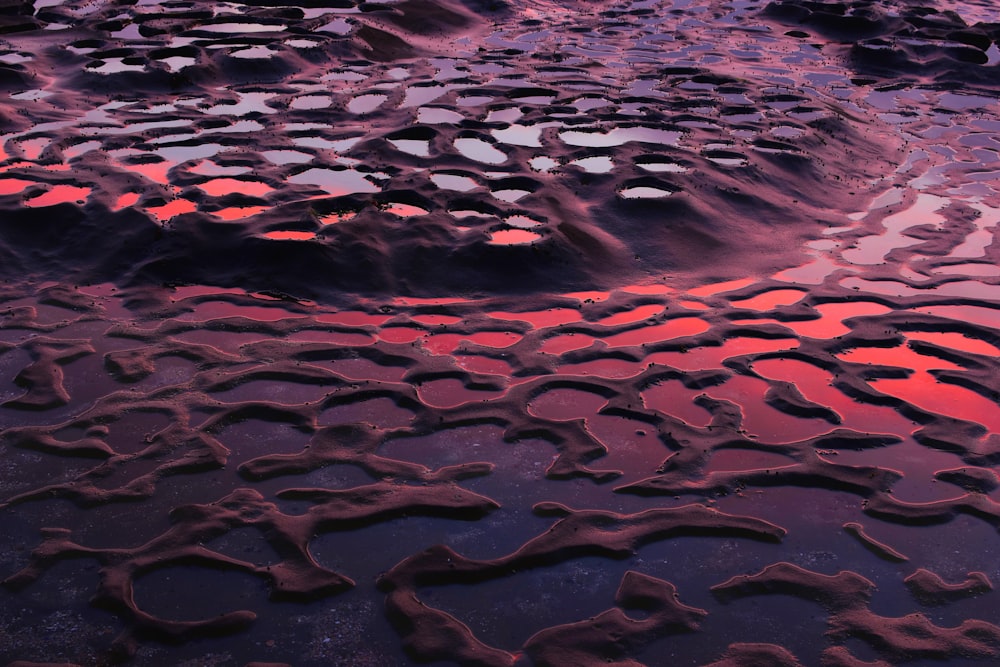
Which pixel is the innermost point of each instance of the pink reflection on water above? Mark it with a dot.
(59, 194)
(901, 356)
(816, 385)
(172, 209)
(220, 187)
(565, 404)
(565, 343)
(540, 319)
(513, 237)
(10, 186)
(450, 392)
(238, 212)
(288, 235)
(484, 365)
(760, 420)
(435, 320)
(830, 323)
(400, 334)
(987, 317)
(127, 200)
(353, 318)
(671, 397)
(344, 338)
(770, 300)
(955, 341)
(209, 310)
(719, 288)
(678, 328)
(697, 358)
(635, 315)
(924, 391)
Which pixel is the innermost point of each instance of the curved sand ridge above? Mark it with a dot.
(773, 394)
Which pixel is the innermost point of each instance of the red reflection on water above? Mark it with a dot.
(987, 317)
(760, 419)
(400, 334)
(288, 235)
(127, 200)
(540, 319)
(485, 365)
(334, 218)
(450, 392)
(902, 356)
(815, 384)
(513, 237)
(220, 187)
(346, 338)
(605, 368)
(924, 391)
(565, 343)
(589, 296)
(209, 310)
(697, 358)
(154, 171)
(719, 288)
(647, 289)
(682, 326)
(694, 305)
(635, 315)
(830, 324)
(10, 186)
(564, 404)
(498, 339)
(365, 369)
(404, 210)
(770, 300)
(673, 398)
(353, 318)
(237, 212)
(955, 341)
(435, 320)
(59, 194)
(172, 209)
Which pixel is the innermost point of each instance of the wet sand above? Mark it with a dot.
(489, 333)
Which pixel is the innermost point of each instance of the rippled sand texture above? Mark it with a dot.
(541, 333)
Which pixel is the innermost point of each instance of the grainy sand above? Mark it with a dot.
(558, 333)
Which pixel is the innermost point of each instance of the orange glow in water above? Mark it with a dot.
(59, 194)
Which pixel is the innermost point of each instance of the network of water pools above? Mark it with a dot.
(575, 451)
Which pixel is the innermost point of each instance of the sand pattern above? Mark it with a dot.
(635, 333)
